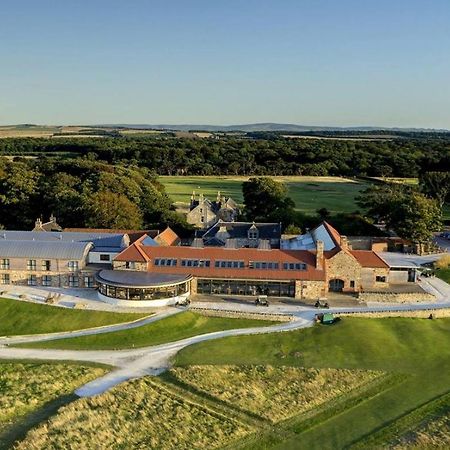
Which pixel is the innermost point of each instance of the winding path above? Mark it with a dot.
(134, 363)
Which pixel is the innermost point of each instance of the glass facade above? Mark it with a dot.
(246, 287)
(148, 293)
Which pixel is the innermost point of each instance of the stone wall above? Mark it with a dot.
(241, 314)
(306, 289)
(194, 286)
(369, 276)
(422, 314)
(122, 265)
(393, 297)
(58, 279)
(344, 267)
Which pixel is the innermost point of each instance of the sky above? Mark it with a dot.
(310, 62)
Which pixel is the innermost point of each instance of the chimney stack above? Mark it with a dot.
(319, 255)
(344, 243)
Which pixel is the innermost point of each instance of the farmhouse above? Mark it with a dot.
(204, 213)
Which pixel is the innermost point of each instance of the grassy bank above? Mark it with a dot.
(172, 328)
(19, 318)
(416, 349)
(26, 387)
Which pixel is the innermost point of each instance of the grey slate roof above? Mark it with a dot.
(101, 241)
(139, 278)
(240, 230)
(43, 249)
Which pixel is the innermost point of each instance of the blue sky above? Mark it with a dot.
(318, 62)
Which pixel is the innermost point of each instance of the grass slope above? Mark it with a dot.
(18, 318)
(444, 274)
(309, 193)
(172, 328)
(25, 387)
(137, 414)
(418, 349)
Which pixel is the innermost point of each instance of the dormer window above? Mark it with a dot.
(253, 233)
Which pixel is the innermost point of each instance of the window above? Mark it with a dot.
(46, 265)
(31, 264)
(253, 234)
(105, 258)
(130, 265)
(89, 282)
(195, 262)
(4, 278)
(165, 262)
(73, 281)
(202, 219)
(294, 266)
(380, 279)
(4, 264)
(229, 264)
(263, 265)
(32, 281)
(352, 283)
(46, 280)
(73, 265)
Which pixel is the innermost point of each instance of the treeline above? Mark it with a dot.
(168, 155)
(82, 193)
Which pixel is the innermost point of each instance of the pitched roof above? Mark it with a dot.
(240, 229)
(335, 235)
(134, 234)
(133, 253)
(167, 237)
(223, 254)
(368, 258)
(43, 249)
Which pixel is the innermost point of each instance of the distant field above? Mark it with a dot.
(309, 193)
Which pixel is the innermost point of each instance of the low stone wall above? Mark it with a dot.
(396, 297)
(438, 313)
(241, 314)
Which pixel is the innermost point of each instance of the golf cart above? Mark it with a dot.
(319, 304)
(261, 300)
(183, 302)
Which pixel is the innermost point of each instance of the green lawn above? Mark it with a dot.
(19, 317)
(444, 274)
(172, 328)
(309, 193)
(418, 350)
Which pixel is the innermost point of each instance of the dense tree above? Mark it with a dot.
(404, 210)
(436, 185)
(110, 210)
(266, 200)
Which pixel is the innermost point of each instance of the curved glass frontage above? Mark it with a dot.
(143, 293)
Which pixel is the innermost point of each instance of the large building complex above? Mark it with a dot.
(232, 259)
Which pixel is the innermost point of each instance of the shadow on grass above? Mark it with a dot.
(19, 429)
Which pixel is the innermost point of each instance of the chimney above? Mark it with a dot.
(38, 223)
(344, 243)
(52, 219)
(319, 255)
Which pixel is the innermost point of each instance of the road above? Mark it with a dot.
(134, 363)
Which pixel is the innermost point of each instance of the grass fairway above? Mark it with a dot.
(416, 349)
(26, 387)
(172, 328)
(19, 318)
(309, 193)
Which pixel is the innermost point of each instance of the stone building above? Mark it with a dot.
(204, 213)
(327, 265)
(51, 225)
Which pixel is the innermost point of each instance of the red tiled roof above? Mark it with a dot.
(335, 235)
(133, 253)
(167, 237)
(242, 254)
(368, 258)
